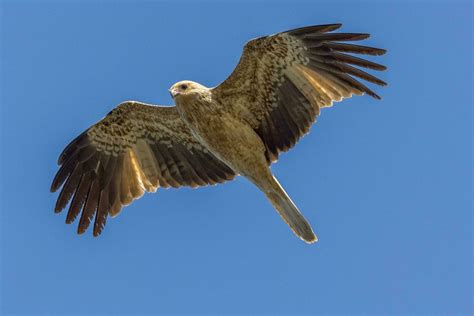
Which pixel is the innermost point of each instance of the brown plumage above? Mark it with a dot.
(263, 108)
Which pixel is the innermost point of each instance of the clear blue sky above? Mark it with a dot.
(387, 185)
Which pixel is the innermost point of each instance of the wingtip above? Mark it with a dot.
(331, 27)
(80, 230)
(60, 205)
(68, 221)
(55, 184)
(361, 36)
(375, 96)
(382, 83)
(322, 28)
(97, 231)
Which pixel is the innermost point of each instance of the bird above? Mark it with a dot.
(211, 135)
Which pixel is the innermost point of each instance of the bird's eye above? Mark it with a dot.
(184, 86)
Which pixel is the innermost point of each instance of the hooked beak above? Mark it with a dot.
(173, 91)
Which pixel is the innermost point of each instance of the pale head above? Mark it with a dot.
(186, 88)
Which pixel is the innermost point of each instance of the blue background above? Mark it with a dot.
(386, 184)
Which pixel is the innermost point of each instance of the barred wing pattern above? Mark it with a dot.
(136, 148)
(282, 81)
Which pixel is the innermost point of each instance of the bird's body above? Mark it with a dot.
(239, 127)
(233, 141)
(228, 137)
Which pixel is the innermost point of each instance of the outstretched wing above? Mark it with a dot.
(135, 148)
(283, 80)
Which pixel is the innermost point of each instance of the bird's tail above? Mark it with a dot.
(289, 212)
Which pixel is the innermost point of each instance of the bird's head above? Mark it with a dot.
(186, 88)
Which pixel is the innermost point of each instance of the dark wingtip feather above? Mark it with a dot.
(380, 52)
(99, 224)
(79, 199)
(68, 189)
(54, 187)
(375, 96)
(358, 61)
(72, 146)
(61, 176)
(356, 49)
(361, 74)
(337, 37)
(90, 207)
(96, 233)
(315, 29)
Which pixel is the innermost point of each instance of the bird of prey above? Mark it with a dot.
(211, 135)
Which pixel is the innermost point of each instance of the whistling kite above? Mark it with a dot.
(263, 108)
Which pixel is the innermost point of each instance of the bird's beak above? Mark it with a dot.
(174, 92)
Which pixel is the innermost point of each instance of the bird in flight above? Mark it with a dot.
(211, 135)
